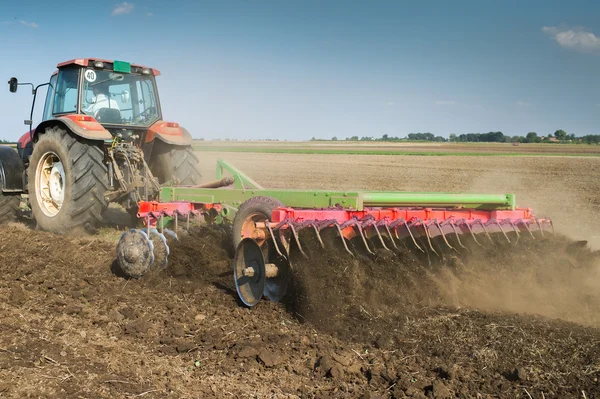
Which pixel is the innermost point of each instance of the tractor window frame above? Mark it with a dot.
(49, 102)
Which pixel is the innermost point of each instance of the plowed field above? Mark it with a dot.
(500, 322)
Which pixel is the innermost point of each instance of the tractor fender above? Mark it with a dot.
(168, 132)
(81, 125)
(24, 146)
(11, 170)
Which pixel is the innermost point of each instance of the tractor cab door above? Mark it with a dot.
(66, 93)
(50, 98)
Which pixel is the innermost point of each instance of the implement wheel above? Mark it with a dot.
(255, 209)
(259, 209)
(67, 181)
(174, 163)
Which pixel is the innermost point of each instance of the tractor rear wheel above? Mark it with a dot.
(67, 181)
(9, 207)
(174, 163)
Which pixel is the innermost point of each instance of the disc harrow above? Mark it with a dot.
(268, 224)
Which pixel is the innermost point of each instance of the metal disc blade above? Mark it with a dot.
(135, 253)
(249, 271)
(171, 234)
(161, 249)
(276, 287)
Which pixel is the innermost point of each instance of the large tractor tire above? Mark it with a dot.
(9, 207)
(67, 181)
(174, 163)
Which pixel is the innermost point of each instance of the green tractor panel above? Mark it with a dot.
(102, 139)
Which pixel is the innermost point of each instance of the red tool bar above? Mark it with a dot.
(151, 211)
(408, 214)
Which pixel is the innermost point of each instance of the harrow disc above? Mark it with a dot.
(161, 248)
(276, 286)
(249, 271)
(135, 253)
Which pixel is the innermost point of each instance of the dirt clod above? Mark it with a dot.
(440, 390)
(269, 358)
(247, 352)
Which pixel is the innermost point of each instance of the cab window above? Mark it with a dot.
(65, 97)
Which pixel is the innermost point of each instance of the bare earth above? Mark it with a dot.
(494, 323)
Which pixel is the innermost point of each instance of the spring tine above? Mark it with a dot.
(380, 238)
(472, 234)
(397, 222)
(162, 224)
(318, 235)
(343, 239)
(485, 230)
(527, 227)
(274, 239)
(444, 235)
(429, 239)
(413, 237)
(396, 233)
(148, 225)
(516, 230)
(297, 240)
(395, 229)
(387, 228)
(552, 225)
(501, 229)
(360, 230)
(176, 221)
(187, 224)
(458, 236)
(539, 226)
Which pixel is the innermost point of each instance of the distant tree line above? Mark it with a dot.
(559, 136)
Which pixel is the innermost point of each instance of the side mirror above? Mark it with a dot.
(125, 97)
(13, 83)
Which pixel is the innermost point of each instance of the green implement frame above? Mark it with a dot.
(244, 188)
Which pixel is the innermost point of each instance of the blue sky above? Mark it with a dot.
(297, 69)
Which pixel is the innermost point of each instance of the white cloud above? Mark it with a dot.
(123, 8)
(390, 103)
(149, 14)
(575, 38)
(522, 103)
(445, 102)
(29, 24)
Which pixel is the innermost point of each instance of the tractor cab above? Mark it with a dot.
(117, 94)
(103, 100)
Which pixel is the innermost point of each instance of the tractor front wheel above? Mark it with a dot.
(67, 182)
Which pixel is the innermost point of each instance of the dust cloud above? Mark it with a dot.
(557, 278)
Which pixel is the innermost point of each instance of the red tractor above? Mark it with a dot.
(102, 139)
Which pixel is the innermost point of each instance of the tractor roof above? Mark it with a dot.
(89, 62)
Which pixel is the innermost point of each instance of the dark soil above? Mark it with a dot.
(506, 322)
